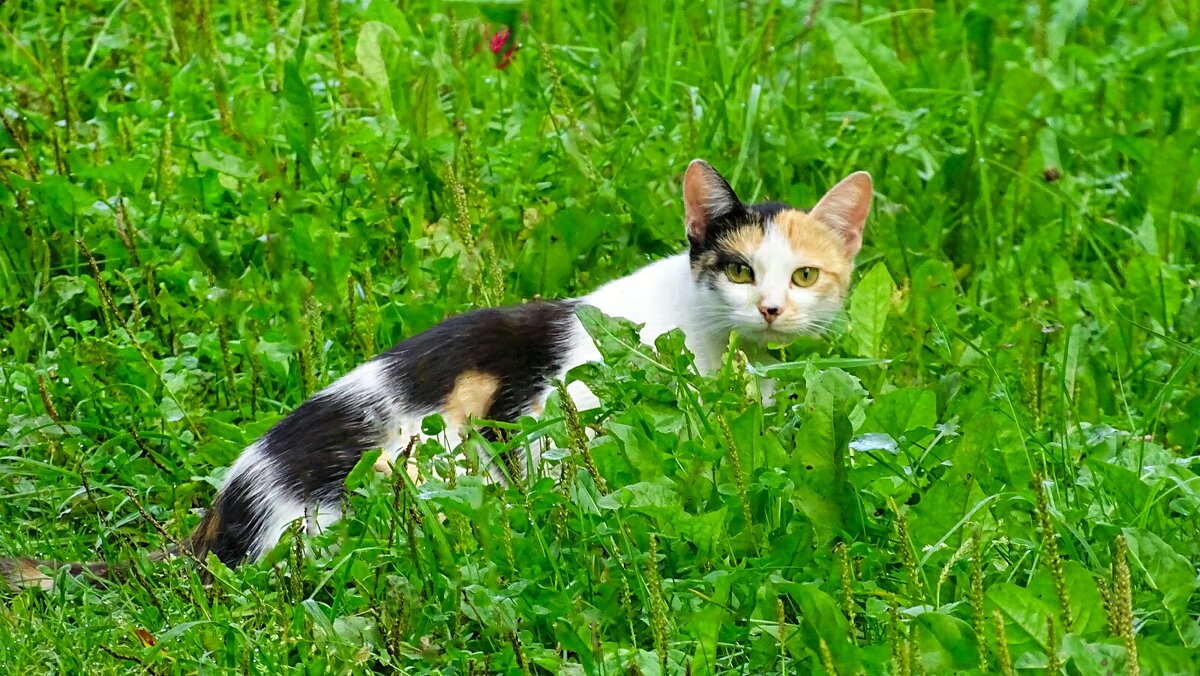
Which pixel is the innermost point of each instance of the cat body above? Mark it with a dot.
(767, 271)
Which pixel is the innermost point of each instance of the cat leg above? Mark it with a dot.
(396, 444)
(320, 515)
(766, 390)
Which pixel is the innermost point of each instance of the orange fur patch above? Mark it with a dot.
(744, 240)
(819, 243)
(472, 395)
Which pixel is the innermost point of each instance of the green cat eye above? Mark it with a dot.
(803, 277)
(739, 273)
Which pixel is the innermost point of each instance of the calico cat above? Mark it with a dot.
(768, 271)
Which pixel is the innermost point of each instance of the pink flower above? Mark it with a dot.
(499, 40)
(504, 37)
(496, 43)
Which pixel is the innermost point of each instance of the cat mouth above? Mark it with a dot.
(765, 333)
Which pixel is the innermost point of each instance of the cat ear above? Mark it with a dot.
(845, 207)
(706, 198)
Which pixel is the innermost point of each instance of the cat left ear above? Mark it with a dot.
(845, 208)
(706, 199)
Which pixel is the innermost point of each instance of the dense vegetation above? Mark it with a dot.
(208, 212)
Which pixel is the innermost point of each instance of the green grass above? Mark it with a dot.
(266, 208)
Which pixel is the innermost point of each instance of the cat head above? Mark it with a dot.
(770, 271)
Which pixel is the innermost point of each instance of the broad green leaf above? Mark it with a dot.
(643, 496)
(466, 496)
(902, 412)
(300, 125)
(869, 307)
(1108, 656)
(225, 163)
(934, 297)
(1024, 613)
(374, 41)
(822, 618)
(818, 460)
(947, 643)
(705, 627)
(1172, 576)
(1087, 608)
(617, 338)
(706, 531)
(1157, 657)
(854, 63)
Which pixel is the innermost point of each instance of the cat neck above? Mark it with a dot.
(664, 296)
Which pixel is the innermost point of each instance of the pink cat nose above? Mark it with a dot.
(770, 312)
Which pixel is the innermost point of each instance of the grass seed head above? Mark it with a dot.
(1053, 558)
(1123, 602)
(847, 577)
(1003, 658)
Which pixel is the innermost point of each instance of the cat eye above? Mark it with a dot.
(739, 273)
(804, 277)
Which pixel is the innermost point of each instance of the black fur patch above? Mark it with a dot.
(708, 258)
(744, 215)
(240, 522)
(316, 445)
(768, 210)
(522, 345)
(312, 450)
(731, 220)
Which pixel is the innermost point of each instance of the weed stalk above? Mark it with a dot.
(31, 167)
(507, 534)
(307, 355)
(150, 455)
(335, 30)
(1053, 666)
(895, 638)
(1053, 559)
(556, 85)
(255, 368)
(907, 553)
(231, 396)
(1123, 602)
(658, 610)
(826, 659)
(976, 595)
(944, 576)
(781, 635)
(352, 312)
(1003, 658)
(272, 9)
(576, 435)
(1111, 616)
(163, 183)
(847, 575)
(522, 661)
(738, 477)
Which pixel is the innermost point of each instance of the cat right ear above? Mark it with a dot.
(845, 208)
(707, 198)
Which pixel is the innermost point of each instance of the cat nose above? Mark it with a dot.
(770, 312)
